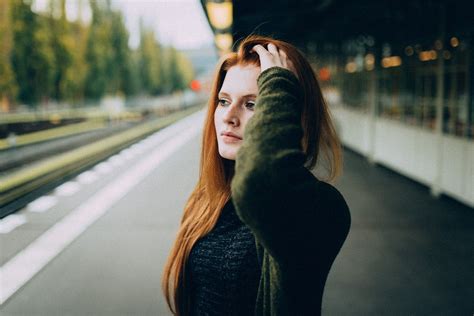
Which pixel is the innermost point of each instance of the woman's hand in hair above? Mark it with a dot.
(273, 57)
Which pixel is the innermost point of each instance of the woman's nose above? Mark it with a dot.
(232, 113)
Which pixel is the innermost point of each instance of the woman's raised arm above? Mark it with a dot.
(286, 207)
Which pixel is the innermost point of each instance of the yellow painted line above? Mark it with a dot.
(11, 118)
(52, 133)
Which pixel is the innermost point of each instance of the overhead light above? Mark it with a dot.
(427, 55)
(369, 62)
(224, 41)
(351, 67)
(454, 41)
(392, 61)
(220, 14)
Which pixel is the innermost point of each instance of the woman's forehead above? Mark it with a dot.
(241, 80)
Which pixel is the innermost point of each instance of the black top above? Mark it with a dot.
(223, 269)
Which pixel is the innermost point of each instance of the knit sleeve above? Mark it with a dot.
(284, 205)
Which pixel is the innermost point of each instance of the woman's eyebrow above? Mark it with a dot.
(245, 96)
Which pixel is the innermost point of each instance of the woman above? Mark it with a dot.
(260, 232)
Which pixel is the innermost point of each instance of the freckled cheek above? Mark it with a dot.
(246, 119)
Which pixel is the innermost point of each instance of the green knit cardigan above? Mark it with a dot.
(299, 222)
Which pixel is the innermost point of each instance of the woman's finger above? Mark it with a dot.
(260, 50)
(284, 58)
(272, 49)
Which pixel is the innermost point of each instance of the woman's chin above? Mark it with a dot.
(228, 154)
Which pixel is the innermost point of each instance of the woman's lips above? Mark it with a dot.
(230, 139)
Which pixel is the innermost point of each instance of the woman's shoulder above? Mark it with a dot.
(333, 193)
(337, 209)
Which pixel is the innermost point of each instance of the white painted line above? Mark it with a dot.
(116, 160)
(103, 168)
(42, 204)
(137, 147)
(87, 177)
(21, 268)
(128, 154)
(10, 222)
(67, 189)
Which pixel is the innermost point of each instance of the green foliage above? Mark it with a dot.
(108, 55)
(62, 45)
(75, 75)
(8, 86)
(98, 53)
(185, 70)
(32, 58)
(178, 71)
(150, 63)
(121, 73)
(45, 56)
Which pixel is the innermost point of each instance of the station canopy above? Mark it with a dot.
(337, 21)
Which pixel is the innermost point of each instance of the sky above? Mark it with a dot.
(181, 23)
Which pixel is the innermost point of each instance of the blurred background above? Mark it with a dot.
(101, 110)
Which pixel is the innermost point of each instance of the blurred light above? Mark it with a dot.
(55, 119)
(324, 74)
(220, 14)
(195, 85)
(351, 67)
(224, 41)
(427, 55)
(438, 45)
(369, 61)
(409, 51)
(392, 61)
(447, 54)
(454, 41)
(417, 48)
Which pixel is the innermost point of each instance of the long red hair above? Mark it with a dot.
(212, 190)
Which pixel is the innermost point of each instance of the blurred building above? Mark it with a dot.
(398, 76)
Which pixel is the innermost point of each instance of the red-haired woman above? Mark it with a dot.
(260, 232)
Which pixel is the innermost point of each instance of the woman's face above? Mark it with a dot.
(235, 107)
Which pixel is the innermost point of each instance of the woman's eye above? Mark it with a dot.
(248, 104)
(252, 104)
(221, 101)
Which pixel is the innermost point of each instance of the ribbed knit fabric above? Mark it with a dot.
(224, 269)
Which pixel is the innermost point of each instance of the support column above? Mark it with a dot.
(436, 184)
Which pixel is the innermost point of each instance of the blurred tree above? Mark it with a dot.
(178, 71)
(47, 56)
(171, 70)
(8, 86)
(98, 53)
(120, 71)
(32, 57)
(150, 62)
(76, 74)
(62, 46)
(135, 79)
(186, 71)
(107, 54)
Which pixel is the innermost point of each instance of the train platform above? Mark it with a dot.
(97, 244)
